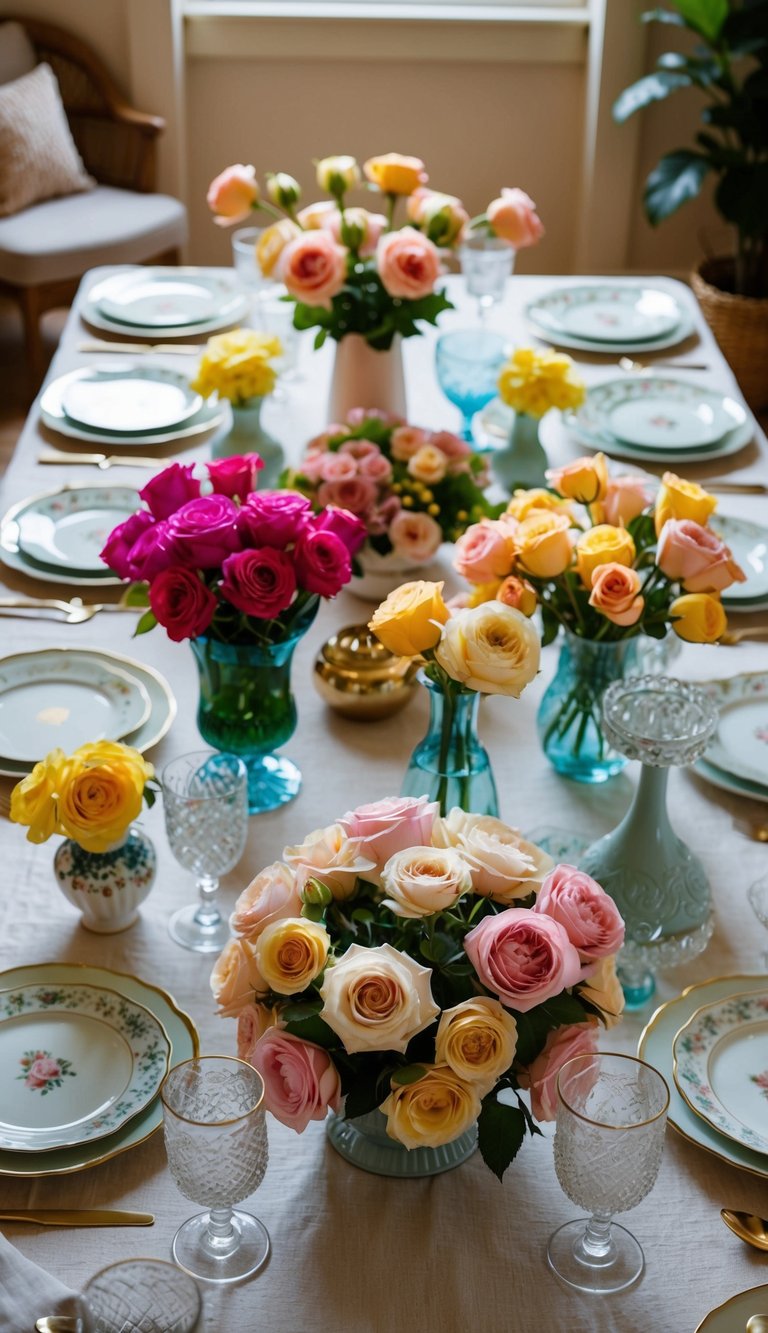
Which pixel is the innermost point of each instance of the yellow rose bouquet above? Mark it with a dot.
(402, 969)
(532, 383)
(238, 366)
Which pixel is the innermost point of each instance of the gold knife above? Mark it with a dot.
(78, 1217)
(737, 487)
(100, 460)
(141, 349)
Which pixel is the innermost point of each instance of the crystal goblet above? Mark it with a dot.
(486, 262)
(757, 897)
(205, 799)
(468, 362)
(215, 1130)
(611, 1117)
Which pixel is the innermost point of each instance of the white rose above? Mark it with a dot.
(331, 856)
(423, 880)
(492, 648)
(603, 989)
(478, 1039)
(235, 979)
(503, 865)
(377, 999)
(415, 536)
(335, 173)
(428, 464)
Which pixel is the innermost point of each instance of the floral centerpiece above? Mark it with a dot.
(532, 383)
(467, 652)
(607, 563)
(241, 366)
(415, 967)
(105, 867)
(240, 574)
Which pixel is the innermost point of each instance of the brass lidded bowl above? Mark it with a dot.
(358, 677)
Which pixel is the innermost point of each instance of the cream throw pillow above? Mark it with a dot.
(38, 157)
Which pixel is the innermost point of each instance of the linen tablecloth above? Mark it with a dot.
(352, 1252)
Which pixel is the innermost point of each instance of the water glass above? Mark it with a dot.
(216, 1140)
(468, 363)
(205, 799)
(486, 262)
(611, 1117)
(757, 897)
(273, 314)
(244, 242)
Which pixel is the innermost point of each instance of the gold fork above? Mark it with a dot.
(733, 636)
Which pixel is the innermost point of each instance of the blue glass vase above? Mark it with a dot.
(365, 1143)
(450, 765)
(569, 719)
(247, 708)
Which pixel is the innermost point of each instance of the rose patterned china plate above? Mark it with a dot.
(164, 302)
(53, 415)
(67, 528)
(739, 746)
(720, 1062)
(62, 697)
(733, 1315)
(749, 544)
(79, 1062)
(751, 791)
(130, 399)
(731, 443)
(656, 412)
(607, 313)
(183, 1043)
(655, 1046)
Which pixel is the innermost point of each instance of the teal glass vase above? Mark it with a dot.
(569, 719)
(247, 708)
(522, 462)
(365, 1143)
(247, 435)
(450, 765)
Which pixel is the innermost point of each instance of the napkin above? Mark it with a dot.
(27, 1292)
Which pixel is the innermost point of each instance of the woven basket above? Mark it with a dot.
(740, 325)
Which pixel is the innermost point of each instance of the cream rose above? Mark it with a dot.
(236, 979)
(603, 989)
(269, 897)
(436, 1110)
(428, 464)
(416, 536)
(490, 648)
(331, 856)
(503, 865)
(477, 1038)
(377, 999)
(424, 880)
(291, 953)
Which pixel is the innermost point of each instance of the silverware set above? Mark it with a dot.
(74, 612)
(102, 461)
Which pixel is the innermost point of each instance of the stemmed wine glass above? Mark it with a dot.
(486, 262)
(205, 798)
(468, 362)
(215, 1129)
(611, 1117)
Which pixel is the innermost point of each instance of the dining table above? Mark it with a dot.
(354, 1252)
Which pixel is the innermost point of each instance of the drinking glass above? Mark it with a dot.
(468, 362)
(205, 798)
(611, 1117)
(757, 896)
(244, 242)
(486, 262)
(216, 1139)
(272, 313)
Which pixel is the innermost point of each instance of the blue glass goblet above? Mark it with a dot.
(468, 362)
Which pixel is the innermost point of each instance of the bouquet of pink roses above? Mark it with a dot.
(419, 965)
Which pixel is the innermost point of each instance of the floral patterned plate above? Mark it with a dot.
(658, 414)
(720, 1066)
(67, 528)
(740, 745)
(79, 1061)
(749, 545)
(607, 313)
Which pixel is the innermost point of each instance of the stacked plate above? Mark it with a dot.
(610, 317)
(165, 303)
(58, 536)
(65, 697)
(737, 757)
(85, 1050)
(122, 403)
(749, 543)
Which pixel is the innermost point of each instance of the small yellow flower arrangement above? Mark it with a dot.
(533, 382)
(238, 366)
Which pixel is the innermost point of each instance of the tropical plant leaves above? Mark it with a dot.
(651, 88)
(676, 179)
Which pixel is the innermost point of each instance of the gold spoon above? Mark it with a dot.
(758, 1323)
(59, 1323)
(753, 1230)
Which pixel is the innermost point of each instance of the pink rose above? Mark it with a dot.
(300, 1079)
(589, 916)
(311, 466)
(377, 467)
(381, 518)
(522, 956)
(260, 582)
(322, 441)
(313, 268)
(252, 1022)
(271, 896)
(541, 1076)
(415, 536)
(181, 603)
(204, 531)
(121, 540)
(342, 524)
(406, 441)
(364, 227)
(484, 552)
(408, 264)
(236, 477)
(170, 489)
(323, 563)
(232, 194)
(357, 494)
(273, 518)
(624, 499)
(153, 552)
(696, 556)
(338, 467)
(360, 449)
(391, 825)
(451, 445)
(41, 1070)
(513, 218)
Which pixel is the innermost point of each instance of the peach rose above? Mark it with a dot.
(503, 865)
(252, 1022)
(408, 264)
(358, 228)
(331, 856)
(428, 464)
(443, 217)
(377, 999)
(603, 545)
(513, 217)
(522, 956)
(313, 268)
(291, 953)
(616, 593)
(415, 535)
(395, 174)
(484, 552)
(696, 556)
(541, 1076)
(590, 917)
(272, 895)
(517, 593)
(406, 441)
(236, 979)
(477, 1038)
(423, 880)
(232, 194)
(624, 499)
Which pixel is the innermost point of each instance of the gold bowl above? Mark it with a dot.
(358, 677)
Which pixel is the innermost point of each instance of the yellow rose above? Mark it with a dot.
(272, 242)
(290, 953)
(603, 545)
(477, 1039)
(682, 499)
(34, 800)
(492, 649)
(544, 543)
(484, 592)
(102, 794)
(410, 620)
(428, 465)
(523, 502)
(338, 174)
(603, 989)
(237, 365)
(585, 480)
(395, 174)
(435, 1110)
(698, 617)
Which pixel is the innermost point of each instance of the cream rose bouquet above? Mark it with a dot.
(422, 966)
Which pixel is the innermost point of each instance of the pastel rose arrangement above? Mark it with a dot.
(211, 555)
(239, 365)
(91, 796)
(421, 965)
(512, 217)
(412, 488)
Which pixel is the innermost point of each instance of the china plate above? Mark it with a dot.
(80, 1061)
(62, 697)
(178, 1027)
(67, 529)
(731, 443)
(749, 543)
(135, 400)
(739, 746)
(716, 777)
(53, 416)
(733, 1314)
(655, 1046)
(163, 705)
(658, 413)
(165, 298)
(684, 330)
(14, 558)
(607, 313)
(720, 1065)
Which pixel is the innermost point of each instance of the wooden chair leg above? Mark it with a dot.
(31, 310)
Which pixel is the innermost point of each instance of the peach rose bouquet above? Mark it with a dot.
(418, 966)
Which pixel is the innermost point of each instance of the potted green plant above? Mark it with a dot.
(729, 65)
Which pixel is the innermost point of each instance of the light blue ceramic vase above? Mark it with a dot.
(365, 1143)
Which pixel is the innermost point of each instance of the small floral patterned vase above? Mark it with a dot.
(107, 887)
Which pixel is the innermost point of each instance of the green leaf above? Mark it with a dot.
(313, 1029)
(146, 623)
(137, 594)
(651, 88)
(742, 198)
(303, 1009)
(408, 1074)
(500, 1132)
(320, 338)
(662, 16)
(677, 178)
(704, 16)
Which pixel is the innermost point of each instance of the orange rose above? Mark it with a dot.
(615, 593)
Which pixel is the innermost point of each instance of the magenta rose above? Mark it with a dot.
(589, 916)
(274, 518)
(357, 494)
(522, 956)
(236, 477)
(181, 603)
(323, 563)
(205, 531)
(348, 527)
(259, 582)
(696, 556)
(121, 540)
(540, 1078)
(152, 553)
(170, 489)
(41, 1070)
(300, 1079)
(391, 825)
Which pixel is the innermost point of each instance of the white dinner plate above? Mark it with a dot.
(161, 298)
(732, 1316)
(607, 312)
(749, 544)
(62, 697)
(53, 416)
(130, 400)
(721, 1067)
(67, 529)
(740, 744)
(658, 413)
(684, 330)
(751, 791)
(79, 1062)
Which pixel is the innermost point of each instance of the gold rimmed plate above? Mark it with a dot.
(732, 1316)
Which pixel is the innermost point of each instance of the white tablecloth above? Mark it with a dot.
(354, 1252)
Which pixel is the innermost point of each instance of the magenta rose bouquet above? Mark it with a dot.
(419, 965)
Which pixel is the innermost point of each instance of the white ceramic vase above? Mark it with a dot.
(383, 573)
(363, 377)
(108, 887)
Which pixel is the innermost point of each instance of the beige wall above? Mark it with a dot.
(101, 23)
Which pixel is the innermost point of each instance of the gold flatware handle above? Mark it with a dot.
(59, 1323)
(78, 1217)
(141, 349)
(100, 460)
(737, 487)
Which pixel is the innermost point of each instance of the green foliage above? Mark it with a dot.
(534, 1027)
(145, 623)
(364, 306)
(500, 1133)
